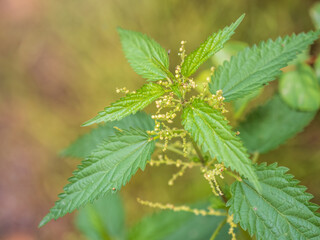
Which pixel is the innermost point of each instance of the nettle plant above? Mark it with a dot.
(264, 199)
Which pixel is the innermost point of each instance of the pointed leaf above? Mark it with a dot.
(108, 168)
(300, 88)
(281, 210)
(129, 104)
(212, 45)
(145, 55)
(210, 130)
(256, 66)
(85, 144)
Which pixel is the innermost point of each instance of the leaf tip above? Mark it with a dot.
(45, 220)
(88, 123)
(239, 20)
(120, 29)
(242, 16)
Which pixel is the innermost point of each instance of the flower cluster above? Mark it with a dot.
(122, 90)
(178, 163)
(232, 226)
(183, 208)
(210, 176)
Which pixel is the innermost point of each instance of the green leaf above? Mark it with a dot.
(272, 124)
(212, 45)
(300, 88)
(280, 211)
(129, 104)
(176, 90)
(315, 15)
(108, 168)
(84, 145)
(209, 128)
(102, 220)
(217, 203)
(256, 66)
(145, 55)
(231, 49)
(169, 225)
(301, 57)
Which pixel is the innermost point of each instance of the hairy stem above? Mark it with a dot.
(218, 229)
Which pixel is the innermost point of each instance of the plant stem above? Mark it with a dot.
(172, 149)
(233, 175)
(198, 152)
(216, 232)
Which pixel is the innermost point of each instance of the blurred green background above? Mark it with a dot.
(60, 63)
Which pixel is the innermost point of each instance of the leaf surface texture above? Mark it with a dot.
(108, 168)
(280, 211)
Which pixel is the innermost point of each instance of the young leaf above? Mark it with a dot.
(129, 104)
(272, 124)
(281, 210)
(208, 127)
(169, 225)
(104, 219)
(145, 55)
(300, 88)
(108, 168)
(212, 45)
(84, 145)
(254, 67)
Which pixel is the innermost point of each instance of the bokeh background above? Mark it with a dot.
(60, 63)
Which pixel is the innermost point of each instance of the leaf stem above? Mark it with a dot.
(218, 229)
(233, 175)
(195, 146)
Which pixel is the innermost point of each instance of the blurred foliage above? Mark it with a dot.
(300, 88)
(315, 15)
(60, 63)
(103, 220)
